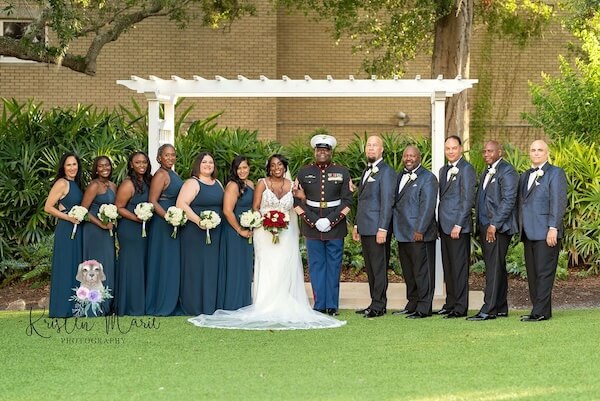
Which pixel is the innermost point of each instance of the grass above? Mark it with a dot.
(389, 358)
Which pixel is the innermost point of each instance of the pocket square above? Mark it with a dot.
(414, 185)
(370, 179)
(453, 178)
(493, 180)
(536, 183)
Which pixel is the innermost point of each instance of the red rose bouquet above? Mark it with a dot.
(274, 221)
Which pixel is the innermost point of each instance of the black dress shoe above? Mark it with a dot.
(362, 311)
(417, 315)
(534, 318)
(402, 312)
(374, 313)
(502, 314)
(480, 317)
(454, 315)
(443, 311)
(332, 312)
(320, 310)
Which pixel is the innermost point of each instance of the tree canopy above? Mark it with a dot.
(99, 22)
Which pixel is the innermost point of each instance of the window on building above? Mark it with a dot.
(16, 29)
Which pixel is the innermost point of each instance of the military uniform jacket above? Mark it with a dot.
(324, 184)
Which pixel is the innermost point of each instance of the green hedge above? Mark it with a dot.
(32, 141)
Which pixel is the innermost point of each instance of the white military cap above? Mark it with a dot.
(323, 141)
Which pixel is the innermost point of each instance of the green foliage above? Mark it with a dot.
(581, 162)
(568, 104)
(31, 262)
(33, 141)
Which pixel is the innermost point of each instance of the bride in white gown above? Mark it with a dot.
(279, 297)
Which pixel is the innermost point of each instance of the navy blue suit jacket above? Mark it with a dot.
(375, 201)
(414, 210)
(499, 199)
(457, 198)
(544, 205)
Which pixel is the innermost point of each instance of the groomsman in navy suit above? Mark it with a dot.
(458, 183)
(496, 224)
(542, 205)
(373, 218)
(326, 188)
(415, 228)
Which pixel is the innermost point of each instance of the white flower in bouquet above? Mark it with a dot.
(80, 213)
(175, 217)
(251, 220)
(108, 214)
(208, 220)
(144, 212)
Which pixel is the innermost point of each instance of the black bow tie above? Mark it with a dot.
(406, 171)
(533, 169)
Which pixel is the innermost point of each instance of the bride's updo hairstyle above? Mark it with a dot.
(281, 158)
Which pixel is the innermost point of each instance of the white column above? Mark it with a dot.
(153, 129)
(167, 134)
(438, 136)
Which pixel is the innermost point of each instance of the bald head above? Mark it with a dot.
(411, 157)
(538, 152)
(374, 148)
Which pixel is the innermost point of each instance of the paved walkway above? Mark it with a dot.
(356, 296)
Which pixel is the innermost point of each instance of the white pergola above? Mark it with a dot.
(166, 92)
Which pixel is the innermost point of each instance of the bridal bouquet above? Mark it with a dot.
(208, 220)
(250, 219)
(80, 213)
(144, 212)
(274, 221)
(175, 217)
(108, 214)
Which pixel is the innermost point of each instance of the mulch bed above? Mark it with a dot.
(575, 292)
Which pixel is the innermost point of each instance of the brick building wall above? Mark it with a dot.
(275, 44)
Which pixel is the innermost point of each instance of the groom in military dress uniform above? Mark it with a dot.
(322, 209)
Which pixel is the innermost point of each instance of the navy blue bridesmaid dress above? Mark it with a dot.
(200, 262)
(66, 256)
(133, 250)
(99, 245)
(237, 255)
(163, 274)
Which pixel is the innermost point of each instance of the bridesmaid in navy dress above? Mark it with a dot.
(163, 274)
(200, 262)
(98, 244)
(133, 248)
(66, 256)
(237, 254)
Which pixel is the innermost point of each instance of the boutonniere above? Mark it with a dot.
(453, 171)
(538, 174)
(374, 171)
(412, 177)
(491, 171)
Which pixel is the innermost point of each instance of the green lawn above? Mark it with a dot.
(389, 358)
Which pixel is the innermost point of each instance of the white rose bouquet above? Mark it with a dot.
(208, 220)
(250, 220)
(108, 214)
(144, 212)
(175, 217)
(80, 213)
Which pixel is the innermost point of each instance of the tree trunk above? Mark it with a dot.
(451, 55)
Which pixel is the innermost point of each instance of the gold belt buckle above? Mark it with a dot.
(323, 205)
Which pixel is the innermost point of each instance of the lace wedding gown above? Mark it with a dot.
(279, 297)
